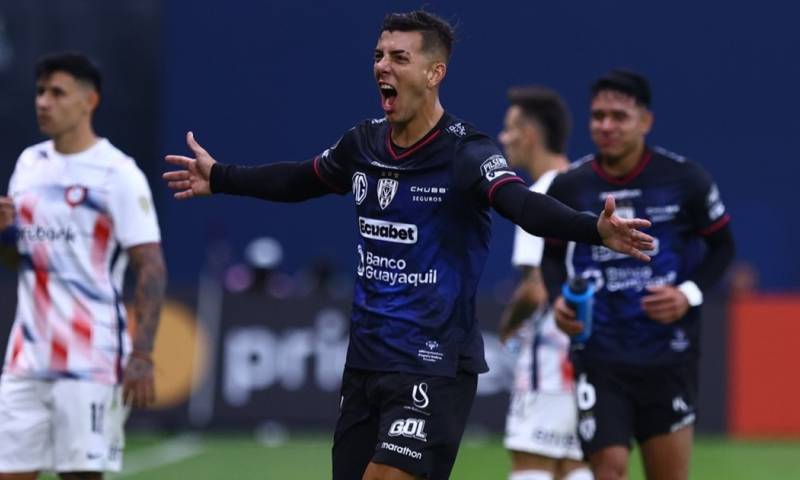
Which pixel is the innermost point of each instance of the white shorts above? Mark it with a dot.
(60, 425)
(543, 424)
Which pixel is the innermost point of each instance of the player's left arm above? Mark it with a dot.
(668, 303)
(544, 216)
(147, 263)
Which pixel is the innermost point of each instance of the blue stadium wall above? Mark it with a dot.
(282, 80)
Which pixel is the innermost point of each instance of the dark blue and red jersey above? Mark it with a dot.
(683, 203)
(424, 222)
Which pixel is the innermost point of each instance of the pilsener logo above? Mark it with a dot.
(387, 231)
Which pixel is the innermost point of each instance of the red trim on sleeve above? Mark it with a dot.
(630, 176)
(716, 225)
(328, 184)
(497, 184)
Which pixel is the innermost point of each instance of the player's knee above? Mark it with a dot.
(609, 465)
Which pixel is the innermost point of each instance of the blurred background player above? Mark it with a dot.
(77, 210)
(542, 417)
(637, 373)
(423, 182)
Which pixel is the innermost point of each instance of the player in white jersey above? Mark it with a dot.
(541, 421)
(77, 209)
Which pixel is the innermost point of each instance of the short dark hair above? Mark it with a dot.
(76, 64)
(437, 33)
(545, 107)
(627, 82)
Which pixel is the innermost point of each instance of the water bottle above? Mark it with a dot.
(579, 295)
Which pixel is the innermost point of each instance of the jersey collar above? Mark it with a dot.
(428, 138)
(627, 178)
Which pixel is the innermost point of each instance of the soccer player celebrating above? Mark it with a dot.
(77, 210)
(422, 183)
(637, 372)
(542, 418)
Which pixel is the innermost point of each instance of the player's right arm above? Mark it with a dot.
(280, 182)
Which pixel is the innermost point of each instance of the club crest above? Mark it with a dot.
(387, 188)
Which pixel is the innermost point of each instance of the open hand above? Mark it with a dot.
(621, 234)
(194, 179)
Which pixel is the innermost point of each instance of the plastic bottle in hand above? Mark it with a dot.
(579, 295)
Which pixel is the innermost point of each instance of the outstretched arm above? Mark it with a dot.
(544, 216)
(147, 261)
(281, 182)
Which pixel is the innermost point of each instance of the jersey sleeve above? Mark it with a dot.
(481, 168)
(332, 166)
(704, 204)
(132, 210)
(528, 249)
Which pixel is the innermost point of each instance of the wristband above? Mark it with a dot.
(692, 293)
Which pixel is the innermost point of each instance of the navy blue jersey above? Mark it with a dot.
(424, 223)
(683, 204)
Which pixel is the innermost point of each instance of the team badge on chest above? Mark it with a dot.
(75, 195)
(387, 188)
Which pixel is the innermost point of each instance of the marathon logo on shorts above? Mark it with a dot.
(387, 231)
(401, 450)
(495, 166)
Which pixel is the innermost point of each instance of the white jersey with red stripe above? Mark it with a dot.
(543, 364)
(76, 215)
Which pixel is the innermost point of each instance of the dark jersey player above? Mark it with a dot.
(636, 376)
(422, 182)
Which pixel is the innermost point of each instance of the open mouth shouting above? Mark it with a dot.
(388, 97)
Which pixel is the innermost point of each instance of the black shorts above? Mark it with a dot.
(617, 403)
(410, 422)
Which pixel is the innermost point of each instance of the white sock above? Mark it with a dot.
(530, 475)
(582, 473)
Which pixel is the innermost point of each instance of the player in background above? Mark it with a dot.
(541, 422)
(77, 210)
(636, 375)
(422, 183)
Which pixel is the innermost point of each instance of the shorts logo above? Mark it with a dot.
(679, 404)
(679, 342)
(387, 188)
(587, 428)
(387, 231)
(359, 187)
(401, 450)
(75, 195)
(495, 166)
(409, 427)
(420, 395)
